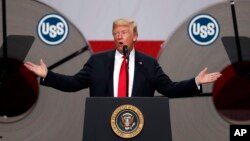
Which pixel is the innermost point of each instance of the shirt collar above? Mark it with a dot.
(119, 55)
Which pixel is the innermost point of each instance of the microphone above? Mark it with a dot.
(125, 51)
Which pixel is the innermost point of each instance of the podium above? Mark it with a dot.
(151, 114)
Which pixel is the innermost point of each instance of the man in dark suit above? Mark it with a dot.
(102, 70)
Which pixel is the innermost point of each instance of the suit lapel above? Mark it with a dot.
(138, 75)
(110, 67)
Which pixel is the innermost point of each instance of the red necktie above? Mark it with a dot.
(122, 84)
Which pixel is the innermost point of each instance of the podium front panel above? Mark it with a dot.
(155, 110)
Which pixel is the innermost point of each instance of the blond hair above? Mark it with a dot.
(126, 22)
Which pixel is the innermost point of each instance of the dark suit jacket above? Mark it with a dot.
(97, 74)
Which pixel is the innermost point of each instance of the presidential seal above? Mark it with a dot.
(127, 121)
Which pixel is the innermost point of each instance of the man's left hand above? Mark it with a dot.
(205, 77)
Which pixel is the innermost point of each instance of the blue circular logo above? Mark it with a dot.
(52, 29)
(203, 30)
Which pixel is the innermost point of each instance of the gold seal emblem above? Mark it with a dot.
(127, 121)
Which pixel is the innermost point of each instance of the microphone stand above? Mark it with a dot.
(126, 53)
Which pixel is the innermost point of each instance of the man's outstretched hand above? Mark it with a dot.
(41, 70)
(205, 77)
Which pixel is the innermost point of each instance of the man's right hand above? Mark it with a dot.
(40, 70)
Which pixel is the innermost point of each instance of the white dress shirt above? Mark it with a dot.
(117, 66)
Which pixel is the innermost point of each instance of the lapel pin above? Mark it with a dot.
(140, 63)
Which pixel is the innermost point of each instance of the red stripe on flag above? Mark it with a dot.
(151, 48)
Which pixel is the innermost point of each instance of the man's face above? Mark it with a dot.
(123, 35)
